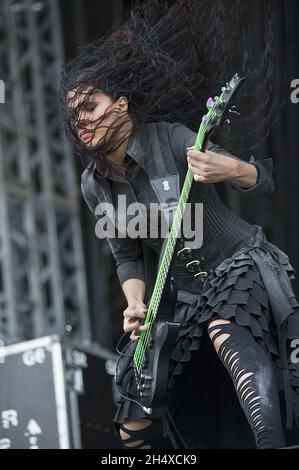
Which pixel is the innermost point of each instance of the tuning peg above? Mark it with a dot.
(227, 122)
(146, 377)
(210, 103)
(233, 110)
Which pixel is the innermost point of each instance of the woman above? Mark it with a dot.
(126, 98)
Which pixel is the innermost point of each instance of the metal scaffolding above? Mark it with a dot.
(42, 274)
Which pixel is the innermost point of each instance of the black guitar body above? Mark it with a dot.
(153, 386)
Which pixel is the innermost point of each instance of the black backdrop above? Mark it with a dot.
(278, 213)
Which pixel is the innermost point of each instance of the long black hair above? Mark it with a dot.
(166, 60)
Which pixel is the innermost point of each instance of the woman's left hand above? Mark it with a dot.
(211, 167)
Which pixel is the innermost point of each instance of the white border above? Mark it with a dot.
(60, 395)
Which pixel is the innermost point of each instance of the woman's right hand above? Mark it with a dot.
(134, 315)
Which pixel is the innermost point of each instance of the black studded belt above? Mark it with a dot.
(193, 266)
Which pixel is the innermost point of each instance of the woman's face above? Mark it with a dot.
(89, 126)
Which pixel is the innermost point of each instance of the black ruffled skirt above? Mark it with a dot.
(253, 288)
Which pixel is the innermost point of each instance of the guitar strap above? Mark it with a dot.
(165, 181)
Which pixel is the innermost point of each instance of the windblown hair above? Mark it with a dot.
(167, 60)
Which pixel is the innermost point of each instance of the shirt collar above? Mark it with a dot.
(134, 149)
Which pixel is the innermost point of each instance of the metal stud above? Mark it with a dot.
(184, 253)
(201, 273)
(193, 265)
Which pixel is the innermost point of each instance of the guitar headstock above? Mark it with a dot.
(220, 105)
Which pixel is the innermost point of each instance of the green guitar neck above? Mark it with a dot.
(153, 307)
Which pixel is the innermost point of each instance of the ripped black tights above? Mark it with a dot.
(254, 380)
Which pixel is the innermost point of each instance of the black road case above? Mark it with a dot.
(56, 395)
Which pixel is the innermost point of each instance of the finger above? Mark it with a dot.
(194, 169)
(197, 162)
(132, 321)
(197, 176)
(198, 167)
(201, 179)
(191, 152)
(196, 155)
(130, 327)
(141, 308)
(134, 315)
(143, 305)
(144, 327)
(134, 337)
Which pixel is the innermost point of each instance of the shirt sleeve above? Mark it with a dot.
(264, 183)
(181, 137)
(127, 252)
